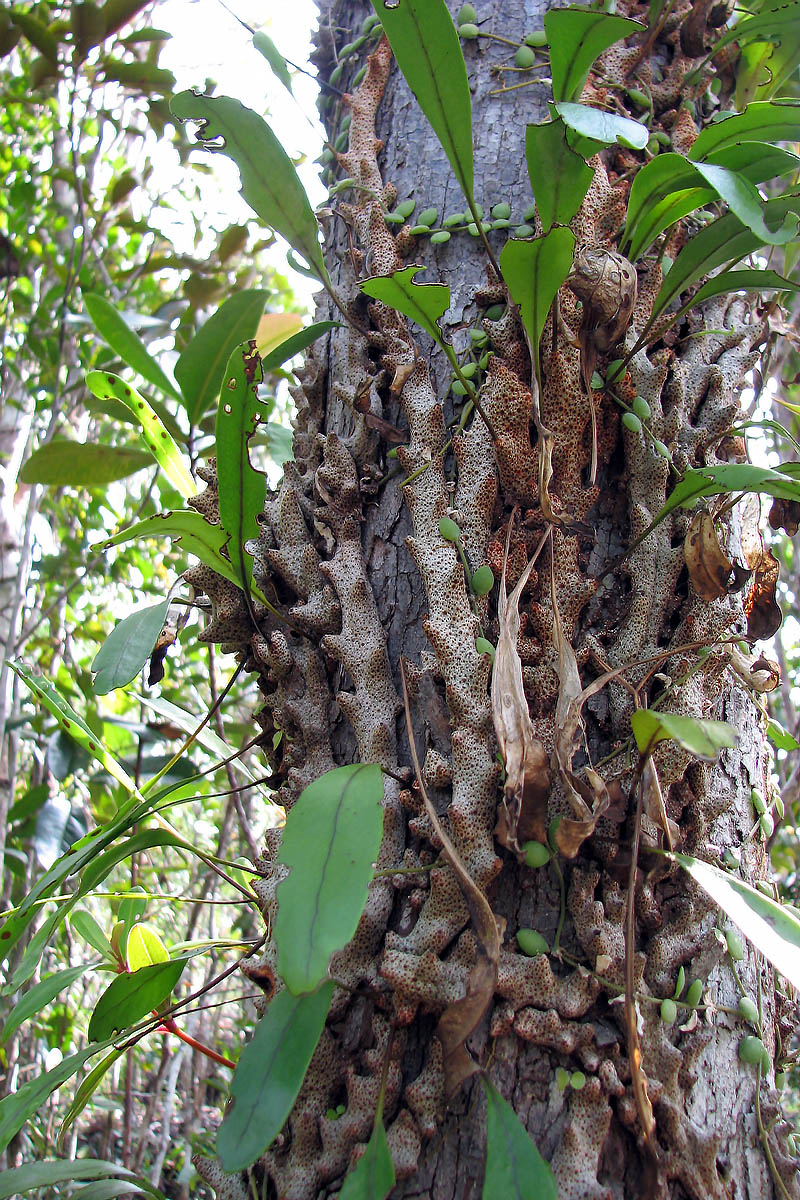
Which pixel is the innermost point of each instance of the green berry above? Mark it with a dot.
(758, 802)
(406, 208)
(597, 381)
(538, 38)
(748, 1009)
(767, 824)
(641, 408)
(453, 219)
(478, 337)
(735, 948)
(615, 370)
(752, 1050)
(359, 75)
(501, 224)
(525, 58)
(336, 74)
(524, 231)
(661, 449)
(668, 1011)
(662, 137)
(780, 1080)
(501, 211)
(640, 99)
(370, 22)
(393, 218)
(468, 31)
(780, 807)
(421, 229)
(429, 217)
(484, 647)
(577, 1080)
(695, 993)
(562, 1079)
(479, 210)
(653, 145)
(483, 580)
(347, 50)
(440, 238)
(632, 422)
(449, 530)
(680, 982)
(536, 855)
(531, 942)
(466, 14)
(483, 361)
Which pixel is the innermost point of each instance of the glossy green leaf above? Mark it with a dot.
(373, 1176)
(201, 366)
(534, 271)
(128, 647)
(729, 477)
(17, 1180)
(111, 1189)
(745, 203)
(296, 344)
(423, 303)
(269, 1075)
(767, 120)
(730, 282)
(559, 177)
(601, 126)
(780, 737)
(38, 997)
(265, 46)
(17, 1107)
(576, 37)
(128, 998)
(702, 738)
(62, 463)
(515, 1169)
(425, 45)
(158, 439)
(771, 927)
(84, 925)
(270, 183)
(330, 843)
(756, 161)
(127, 344)
(86, 1089)
(242, 490)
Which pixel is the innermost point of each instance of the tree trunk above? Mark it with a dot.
(361, 561)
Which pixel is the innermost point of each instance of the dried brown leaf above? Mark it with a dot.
(762, 610)
(708, 564)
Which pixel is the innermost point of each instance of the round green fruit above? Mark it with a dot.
(525, 58)
(449, 530)
(531, 942)
(536, 855)
(668, 1011)
(483, 580)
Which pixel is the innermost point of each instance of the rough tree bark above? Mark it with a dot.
(361, 563)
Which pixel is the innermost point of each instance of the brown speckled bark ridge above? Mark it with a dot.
(359, 563)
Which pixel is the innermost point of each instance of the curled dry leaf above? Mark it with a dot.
(708, 564)
(653, 803)
(762, 610)
(523, 813)
(760, 675)
(785, 514)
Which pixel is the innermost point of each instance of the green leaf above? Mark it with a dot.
(745, 202)
(242, 490)
(780, 737)
(515, 1169)
(160, 442)
(17, 1107)
(265, 45)
(297, 343)
(116, 332)
(110, 1189)
(269, 1075)
(373, 1177)
(423, 303)
(143, 946)
(330, 842)
(62, 463)
(425, 45)
(702, 738)
(767, 120)
(280, 442)
(270, 184)
(128, 998)
(729, 477)
(534, 271)
(201, 367)
(576, 37)
(744, 280)
(128, 647)
(601, 126)
(772, 929)
(86, 1089)
(756, 161)
(38, 997)
(559, 177)
(84, 924)
(777, 20)
(54, 1171)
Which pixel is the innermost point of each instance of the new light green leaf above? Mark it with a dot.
(128, 647)
(50, 1173)
(242, 490)
(269, 1075)
(265, 46)
(424, 303)
(128, 998)
(700, 737)
(769, 926)
(576, 37)
(127, 344)
(756, 161)
(201, 366)
(534, 270)
(84, 924)
(63, 463)
(373, 1177)
(767, 120)
(601, 126)
(559, 177)
(330, 843)
(515, 1170)
(163, 447)
(270, 183)
(38, 997)
(425, 45)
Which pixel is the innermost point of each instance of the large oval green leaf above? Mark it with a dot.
(767, 120)
(62, 463)
(49, 1174)
(330, 843)
(515, 1170)
(128, 998)
(128, 647)
(559, 177)
(201, 367)
(269, 1075)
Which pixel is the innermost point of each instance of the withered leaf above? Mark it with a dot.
(785, 514)
(762, 610)
(708, 564)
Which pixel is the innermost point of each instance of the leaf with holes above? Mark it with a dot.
(128, 647)
(604, 127)
(770, 926)
(534, 271)
(242, 490)
(425, 45)
(702, 738)
(269, 1075)
(330, 842)
(576, 37)
(201, 366)
(559, 177)
(423, 303)
(373, 1177)
(270, 183)
(63, 463)
(160, 442)
(116, 332)
(515, 1169)
(128, 998)
(770, 120)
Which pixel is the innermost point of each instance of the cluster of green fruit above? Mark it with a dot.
(427, 223)
(634, 416)
(525, 56)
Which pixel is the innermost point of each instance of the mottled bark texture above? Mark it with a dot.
(359, 562)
